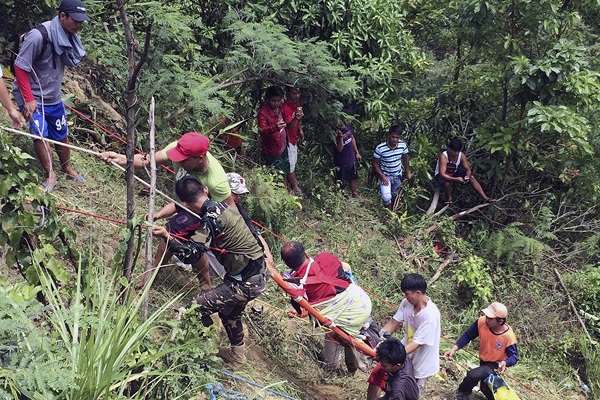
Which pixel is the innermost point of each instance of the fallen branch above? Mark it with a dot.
(564, 288)
(469, 211)
(449, 260)
(434, 203)
(400, 249)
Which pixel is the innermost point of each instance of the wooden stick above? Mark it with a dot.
(441, 268)
(149, 255)
(562, 284)
(70, 146)
(469, 211)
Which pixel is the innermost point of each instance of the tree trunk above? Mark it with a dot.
(134, 66)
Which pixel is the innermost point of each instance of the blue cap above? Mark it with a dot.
(75, 9)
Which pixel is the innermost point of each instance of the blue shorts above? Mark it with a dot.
(52, 124)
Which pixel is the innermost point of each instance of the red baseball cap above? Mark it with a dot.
(191, 144)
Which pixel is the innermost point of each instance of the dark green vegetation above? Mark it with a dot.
(518, 80)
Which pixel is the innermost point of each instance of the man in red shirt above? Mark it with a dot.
(292, 114)
(327, 284)
(273, 136)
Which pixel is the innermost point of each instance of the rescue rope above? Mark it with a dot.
(110, 133)
(345, 337)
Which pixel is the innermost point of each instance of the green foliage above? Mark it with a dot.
(186, 357)
(31, 362)
(270, 201)
(103, 335)
(32, 233)
(510, 245)
(591, 356)
(585, 289)
(472, 275)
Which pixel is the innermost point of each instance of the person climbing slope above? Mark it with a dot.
(347, 158)
(221, 227)
(274, 136)
(45, 52)
(326, 283)
(497, 349)
(399, 381)
(292, 115)
(391, 164)
(454, 166)
(421, 320)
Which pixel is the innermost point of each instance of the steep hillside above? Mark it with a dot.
(381, 247)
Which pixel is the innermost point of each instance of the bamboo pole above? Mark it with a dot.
(152, 153)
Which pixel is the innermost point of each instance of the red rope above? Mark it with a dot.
(110, 133)
(90, 214)
(121, 222)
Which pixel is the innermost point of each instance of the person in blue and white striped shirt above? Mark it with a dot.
(391, 164)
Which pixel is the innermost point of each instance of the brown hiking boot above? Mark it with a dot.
(234, 355)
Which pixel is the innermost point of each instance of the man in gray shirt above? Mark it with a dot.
(39, 71)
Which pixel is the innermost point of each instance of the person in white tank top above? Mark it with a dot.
(453, 166)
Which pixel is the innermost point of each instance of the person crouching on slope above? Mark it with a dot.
(497, 349)
(222, 227)
(326, 283)
(454, 166)
(400, 383)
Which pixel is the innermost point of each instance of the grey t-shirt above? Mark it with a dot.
(402, 385)
(46, 71)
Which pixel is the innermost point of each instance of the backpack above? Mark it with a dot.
(41, 28)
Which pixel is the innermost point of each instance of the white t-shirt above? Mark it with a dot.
(425, 329)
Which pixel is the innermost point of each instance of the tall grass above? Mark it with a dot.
(104, 335)
(591, 354)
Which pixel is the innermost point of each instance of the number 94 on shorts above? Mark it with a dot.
(51, 123)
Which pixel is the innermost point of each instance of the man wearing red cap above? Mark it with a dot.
(497, 349)
(189, 153)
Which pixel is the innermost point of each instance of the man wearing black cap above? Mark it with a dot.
(39, 71)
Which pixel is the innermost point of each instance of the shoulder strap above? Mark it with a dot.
(41, 28)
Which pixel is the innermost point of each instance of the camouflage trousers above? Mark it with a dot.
(229, 300)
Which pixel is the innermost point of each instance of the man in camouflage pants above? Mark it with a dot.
(243, 258)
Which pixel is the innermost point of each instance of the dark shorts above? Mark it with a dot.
(281, 162)
(347, 173)
(439, 181)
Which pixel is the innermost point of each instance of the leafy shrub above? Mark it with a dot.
(32, 233)
(270, 202)
(474, 280)
(585, 288)
(511, 245)
(31, 362)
